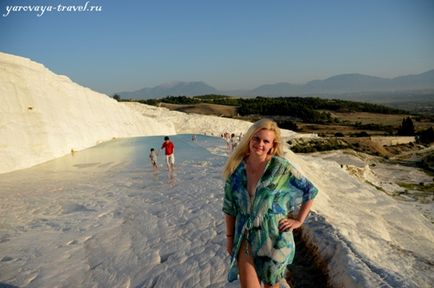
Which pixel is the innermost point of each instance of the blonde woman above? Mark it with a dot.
(261, 192)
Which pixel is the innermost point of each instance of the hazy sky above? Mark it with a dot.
(130, 44)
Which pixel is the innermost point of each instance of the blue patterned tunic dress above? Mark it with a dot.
(280, 189)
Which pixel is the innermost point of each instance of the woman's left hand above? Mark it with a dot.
(289, 224)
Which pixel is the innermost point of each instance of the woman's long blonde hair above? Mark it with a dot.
(242, 149)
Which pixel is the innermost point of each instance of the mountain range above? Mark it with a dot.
(335, 85)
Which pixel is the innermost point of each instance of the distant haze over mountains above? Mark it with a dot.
(339, 84)
(171, 89)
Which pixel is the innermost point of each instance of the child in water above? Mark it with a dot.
(153, 156)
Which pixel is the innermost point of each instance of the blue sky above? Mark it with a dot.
(229, 44)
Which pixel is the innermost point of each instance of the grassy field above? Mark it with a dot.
(203, 108)
(349, 125)
(346, 124)
(368, 118)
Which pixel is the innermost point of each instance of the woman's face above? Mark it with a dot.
(261, 142)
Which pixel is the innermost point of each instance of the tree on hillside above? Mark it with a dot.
(287, 124)
(407, 127)
(117, 97)
(426, 136)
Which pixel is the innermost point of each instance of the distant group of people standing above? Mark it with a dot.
(169, 151)
(232, 140)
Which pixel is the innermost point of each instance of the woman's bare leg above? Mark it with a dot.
(246, 267)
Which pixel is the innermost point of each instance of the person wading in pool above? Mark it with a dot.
(169, 149)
